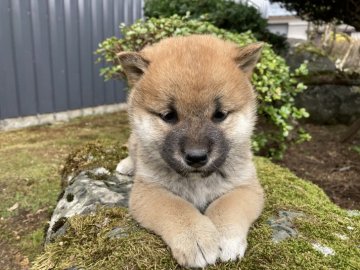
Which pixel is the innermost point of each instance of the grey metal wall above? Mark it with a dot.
(46, 54)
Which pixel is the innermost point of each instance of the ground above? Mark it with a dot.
(332, 165)
(30, 181)
(110, 238)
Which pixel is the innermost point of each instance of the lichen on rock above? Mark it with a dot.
(108, 238)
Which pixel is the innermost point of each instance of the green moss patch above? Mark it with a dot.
(110, 239)
(91, 156)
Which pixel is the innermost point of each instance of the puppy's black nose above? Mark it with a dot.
(196, 157)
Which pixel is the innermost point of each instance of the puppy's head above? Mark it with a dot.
(191, 105)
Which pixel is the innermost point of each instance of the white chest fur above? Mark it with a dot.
(198, 190)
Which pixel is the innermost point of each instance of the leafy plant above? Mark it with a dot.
(225, 14)
(356, 148)
(275, 85)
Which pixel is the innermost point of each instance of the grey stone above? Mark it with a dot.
(353, 213)
(326, 103)
(85, 193)
(331, 104)
(282, 225)
(117, 232)
(316, 63)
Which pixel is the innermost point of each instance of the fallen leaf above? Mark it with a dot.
(25, 263)
(14, 207)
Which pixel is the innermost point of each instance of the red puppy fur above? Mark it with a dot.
(192, 112)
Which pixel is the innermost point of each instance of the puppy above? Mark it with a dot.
(192, 112)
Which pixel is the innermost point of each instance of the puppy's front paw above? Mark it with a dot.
(126, 167)
(232, 247)
(197, 247)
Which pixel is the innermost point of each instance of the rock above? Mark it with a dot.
(331, 104)
(108, 238)
(117, 232)
(283, 226)
(317, 62)
(332, 97)
(85, 194)
(92, 156)
(323, 249)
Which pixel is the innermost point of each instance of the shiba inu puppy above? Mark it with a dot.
(192, 112)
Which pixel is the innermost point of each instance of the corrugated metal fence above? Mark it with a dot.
(46, 54)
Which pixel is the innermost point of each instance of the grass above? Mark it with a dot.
(87, 244)
(356, 148)
(29, 176)
(30, 162)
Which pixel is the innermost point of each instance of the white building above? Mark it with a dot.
(284, 22)
(280, 20)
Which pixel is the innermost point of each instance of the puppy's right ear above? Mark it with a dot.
(248, 56)
(133, 64)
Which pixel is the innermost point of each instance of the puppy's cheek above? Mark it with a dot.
(240, 127)
(147, 129)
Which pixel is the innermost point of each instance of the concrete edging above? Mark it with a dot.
(49, 118)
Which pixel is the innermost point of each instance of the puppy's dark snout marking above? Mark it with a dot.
(196, 157)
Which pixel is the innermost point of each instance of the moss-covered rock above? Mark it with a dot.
(92, 156)
(326, 237)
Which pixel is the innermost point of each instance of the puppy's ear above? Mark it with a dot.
(133, 64)
(248, 56)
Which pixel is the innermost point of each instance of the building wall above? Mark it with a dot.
(47, 63)
(290, 26)
(282, 21)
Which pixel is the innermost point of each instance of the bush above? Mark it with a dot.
(275, 85)
(224, 14)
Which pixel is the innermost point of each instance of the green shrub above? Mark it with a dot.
(225, 14)
(275, 85)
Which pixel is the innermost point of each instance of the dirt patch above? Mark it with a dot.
(26, 221)
(16, 231)
(327, 162)
(11, 259)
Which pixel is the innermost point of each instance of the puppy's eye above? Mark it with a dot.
(219, 116)
(170, 117)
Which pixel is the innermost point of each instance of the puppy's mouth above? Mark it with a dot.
(197, 165)
(204, 172)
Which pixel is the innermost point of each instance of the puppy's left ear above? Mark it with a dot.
(134, 65)
(248, 56)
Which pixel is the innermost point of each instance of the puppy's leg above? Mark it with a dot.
(192, 237)
(233, 213)
(126, 166)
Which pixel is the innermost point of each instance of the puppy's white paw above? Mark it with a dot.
(126, 167)
(197, 247)
(232, 248)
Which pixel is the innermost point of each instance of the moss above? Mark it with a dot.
(91, 156)
(310, 48)
(88, 246)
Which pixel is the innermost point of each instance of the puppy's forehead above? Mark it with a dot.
(193, 70)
